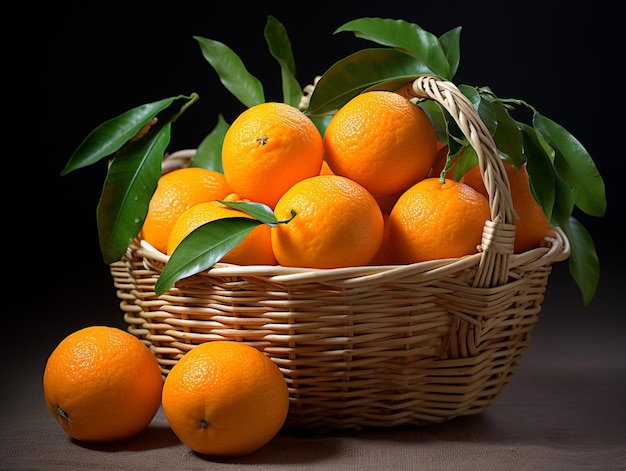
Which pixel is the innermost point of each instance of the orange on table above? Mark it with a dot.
(102, 384)
(176, 192)
(268, 148)
(254, 249)
(432, 220)
(381, 140)
(225, 398)
(532, 225)
(338, 223)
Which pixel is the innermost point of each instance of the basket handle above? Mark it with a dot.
(499, 232)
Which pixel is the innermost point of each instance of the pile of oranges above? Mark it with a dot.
(366, 192)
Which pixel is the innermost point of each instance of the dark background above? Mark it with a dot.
(94, 60)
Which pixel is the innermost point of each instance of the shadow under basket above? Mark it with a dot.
(372, 346)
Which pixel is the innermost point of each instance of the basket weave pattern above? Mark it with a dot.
(364, 346)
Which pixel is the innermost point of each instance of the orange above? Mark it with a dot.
(385, 254)
(325, 169)
(225, 398)
(381, 140)
(338, 223)
(432, 220)
(176, 192)
(532, 225)
(440, 161)
(102, 384)
(254, 249)
(268, 148)
(386, 202)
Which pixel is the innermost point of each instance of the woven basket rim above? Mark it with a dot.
(555, 248)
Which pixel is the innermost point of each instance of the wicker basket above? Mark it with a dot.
(364, 346)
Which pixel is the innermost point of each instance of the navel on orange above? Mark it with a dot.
(268, 148)
(432, 220)
(338, 223)
(225, 398)
(102, 384)
(381, 140)
(176, 192)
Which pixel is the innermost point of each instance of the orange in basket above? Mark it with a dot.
(382, 141)
(176, 192)
(268, 148)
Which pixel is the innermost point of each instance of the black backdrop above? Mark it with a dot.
(94, 60)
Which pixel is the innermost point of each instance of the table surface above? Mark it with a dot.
(563, 409)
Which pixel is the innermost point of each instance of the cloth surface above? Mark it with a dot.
(563, 410)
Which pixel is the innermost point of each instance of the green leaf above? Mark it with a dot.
(471, 93)
(259, 211)
(131, 180)
(406, 37)
(203, 248)
(484, 109)
(110, 136)
(563, 203)
(451, 43)
(231, 71)
(209, 152)
(507, 134)
(574, 166)
(321, 123)
(466, 160)
(361, 71)
(280, 48)
(584, 265)
(541, 175)
(448, 131)
(438, 117)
